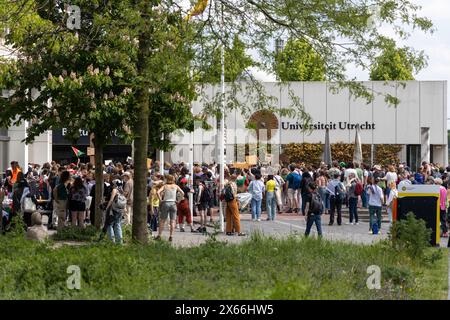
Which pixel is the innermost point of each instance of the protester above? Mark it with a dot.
(271, 201)
(77, 202)
(336, 189)
(376, 199)
(128, 192)
(233, 221)
(314, 209)
(168, 208)
(256, 188)
(115, 210)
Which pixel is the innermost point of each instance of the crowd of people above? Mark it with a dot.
(67, 194)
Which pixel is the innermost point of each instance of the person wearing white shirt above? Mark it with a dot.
(375, 202)
(393, 194)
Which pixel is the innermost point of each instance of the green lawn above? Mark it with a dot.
(261, 268)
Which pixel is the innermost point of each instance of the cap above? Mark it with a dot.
(183, 181)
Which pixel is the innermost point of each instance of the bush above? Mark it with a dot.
(74, 233)
(410, 236)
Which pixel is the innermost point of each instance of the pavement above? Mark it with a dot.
(284, 226)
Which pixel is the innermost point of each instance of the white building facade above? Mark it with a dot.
(418, 123)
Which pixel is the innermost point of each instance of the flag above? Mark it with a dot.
(77, 152)
(327, 149)
(198, 9)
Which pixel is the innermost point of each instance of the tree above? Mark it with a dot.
(237, 62)
(79, 75)
(397, 63)
(298, 61)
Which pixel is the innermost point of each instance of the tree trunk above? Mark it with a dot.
(98, 182)
(139, 230)
(141, 132)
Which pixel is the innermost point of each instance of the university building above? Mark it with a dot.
(418, 124)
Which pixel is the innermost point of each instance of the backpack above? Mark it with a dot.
(120, 202)
(316, 204)
(228, 194)
(297, 179)
(206, 195)
(358, 189)
(339, 192)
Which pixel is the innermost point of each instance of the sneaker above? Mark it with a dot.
(259, 220)
(348, 223)
(371, 232)
(181, 229)
(331, 223)
(356, 223)
(230, 234)
(242, 234)
(268, 219)
(170, 239)
(254, 220)
(289, 210)
(193, 230)
(157, 238)
(177, 226)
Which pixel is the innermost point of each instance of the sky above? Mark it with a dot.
(436, 46)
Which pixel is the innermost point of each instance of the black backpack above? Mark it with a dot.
(206, 195)
(316, 204)
(228, 194)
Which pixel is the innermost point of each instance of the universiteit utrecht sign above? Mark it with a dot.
(331, 126)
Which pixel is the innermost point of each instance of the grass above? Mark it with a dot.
(260, 268)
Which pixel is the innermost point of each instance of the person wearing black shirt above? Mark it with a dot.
(314, 209)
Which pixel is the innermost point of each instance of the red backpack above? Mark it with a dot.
(358, 189)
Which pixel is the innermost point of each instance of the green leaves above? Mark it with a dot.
(298, 61)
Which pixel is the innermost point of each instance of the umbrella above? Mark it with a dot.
(357, 155)
(327, 149)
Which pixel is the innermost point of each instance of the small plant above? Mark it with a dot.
(410, 236)
(17, 227)
(73, 233)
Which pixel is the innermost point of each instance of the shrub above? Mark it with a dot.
(411, 236)
(74, 233)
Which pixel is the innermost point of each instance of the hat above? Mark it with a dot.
(438, 181)
(126, 173)
(342, 164)
(377, 167)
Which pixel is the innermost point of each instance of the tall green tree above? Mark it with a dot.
(298, 61)
(397, 63)
(66, 78)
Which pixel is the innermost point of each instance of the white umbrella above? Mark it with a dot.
(326, 157)
(357, 155)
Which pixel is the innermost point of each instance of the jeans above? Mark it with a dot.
(375, 211)
(389, 210)
(256, 209)
(364, 198)
(335, 204)
(444, 221)
(271, 205)
(353, 209)
(115, 231)
(304, 198)
(314, 218)
(324, 196)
